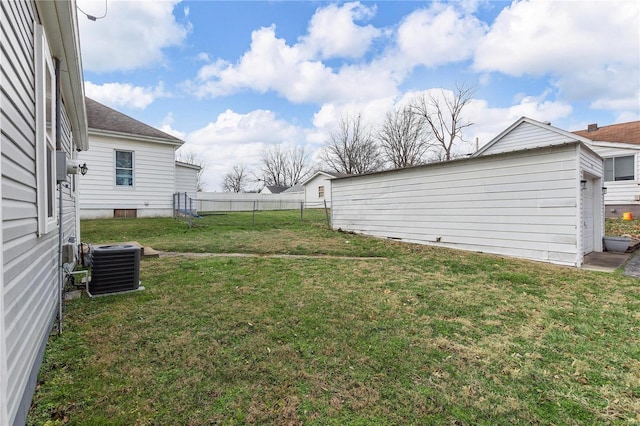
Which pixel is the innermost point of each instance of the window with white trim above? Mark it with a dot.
(45, 134)
(124, 168)
(619, 168)
(321, 192)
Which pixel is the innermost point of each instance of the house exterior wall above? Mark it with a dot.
(311, 198)
(621, 196)
(527, 135)
(29, 290)
(523, 204)
(154, 178)
(186, 180)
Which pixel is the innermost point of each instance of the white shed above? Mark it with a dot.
(535, 200)
(132, 171)
(187, 178)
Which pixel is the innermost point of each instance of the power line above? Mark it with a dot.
(91, 17)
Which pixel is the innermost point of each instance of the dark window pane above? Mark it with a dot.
(624, 168)
(608, 169)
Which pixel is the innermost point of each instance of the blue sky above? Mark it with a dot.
(232, 78)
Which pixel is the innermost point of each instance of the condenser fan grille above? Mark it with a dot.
(115, 268)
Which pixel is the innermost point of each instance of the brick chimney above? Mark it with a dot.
(592, 127)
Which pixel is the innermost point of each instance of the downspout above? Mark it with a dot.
(60, 221)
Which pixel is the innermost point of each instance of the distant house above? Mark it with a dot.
(317, 189)
(533, 192)
(44, 124)
(619, 145)
(295, 189)
(273, 189)
(132, 167)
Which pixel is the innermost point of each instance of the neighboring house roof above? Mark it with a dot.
(330, 175)
(187, 165)
(294, 189)
(621, 133)
(105, 120)
(547, 126)
(275, 189)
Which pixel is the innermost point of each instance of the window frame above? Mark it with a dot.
(45, 134)
(320, 191)
(613, 171)
(116, 168)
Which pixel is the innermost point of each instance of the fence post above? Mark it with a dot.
(190, 211)
(174, 205)
(326, 213)
(301, 209)
(253, 216)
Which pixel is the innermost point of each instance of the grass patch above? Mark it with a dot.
(424, 336)
(275, 232)
(619, 227)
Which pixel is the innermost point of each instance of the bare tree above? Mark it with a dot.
(190, 157)
(404, 139)
(298, 165)
(351, 148)
(443, 115)
(236, 180)
(284, 167)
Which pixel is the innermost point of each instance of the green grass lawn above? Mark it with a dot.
(619, 227)
(416, 335)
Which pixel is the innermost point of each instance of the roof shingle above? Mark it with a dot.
(101, 117)
(623, 133)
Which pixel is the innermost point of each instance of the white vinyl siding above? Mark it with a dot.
(186, 180)
(29, 295)
(522, 204)
(154, 178)
(314, 196)
(527, 135)
(622, 191)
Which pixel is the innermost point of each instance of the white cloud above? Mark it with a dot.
(166, 126)
(590, 49)
(489, 122)
(124, 95)
(239, 138)
(271, 64)
(438, 35)
(132, 35)
(334, 33)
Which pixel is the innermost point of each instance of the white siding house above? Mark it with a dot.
(317, 189)
(187, 178)
(619, 145)
(525, 201)
(40, 115)
(132, 168)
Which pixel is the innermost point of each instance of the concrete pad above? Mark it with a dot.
(604, 261)
(145, 251)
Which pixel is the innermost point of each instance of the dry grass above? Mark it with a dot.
(423, 336)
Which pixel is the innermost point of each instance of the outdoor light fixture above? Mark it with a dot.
(583, 184)
(604, 190)
(84, 169)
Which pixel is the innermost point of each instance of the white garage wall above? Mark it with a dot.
(523, 204)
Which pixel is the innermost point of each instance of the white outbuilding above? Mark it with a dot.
(533, 192)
